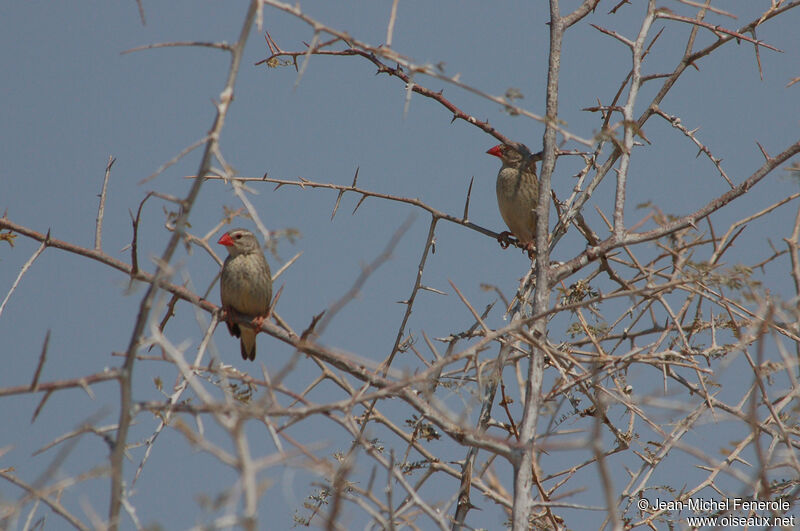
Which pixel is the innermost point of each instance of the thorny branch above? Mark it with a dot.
(676, 319)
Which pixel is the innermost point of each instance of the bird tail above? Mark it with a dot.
(248, 343)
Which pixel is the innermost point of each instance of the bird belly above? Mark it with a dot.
(517, 205)
(242, 293)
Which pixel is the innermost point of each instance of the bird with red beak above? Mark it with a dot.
(517, 195)
(245, 286)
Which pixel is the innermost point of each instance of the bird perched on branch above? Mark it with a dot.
(245, 286)
(517, 196)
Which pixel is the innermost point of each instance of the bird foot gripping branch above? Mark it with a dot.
(259, 321)
(505, 239)
(530, 249)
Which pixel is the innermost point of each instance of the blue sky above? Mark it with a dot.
(72, 99)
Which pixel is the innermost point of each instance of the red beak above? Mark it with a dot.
(225, 240)
(497, 151)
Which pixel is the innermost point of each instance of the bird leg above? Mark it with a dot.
(530, 248)
(505, 239)
(259, 321)
(227, 315)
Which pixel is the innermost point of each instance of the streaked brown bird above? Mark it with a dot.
(517, 195)
(245, 286)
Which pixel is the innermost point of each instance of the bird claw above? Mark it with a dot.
(505, 239)
(259, 321)
(530, 248)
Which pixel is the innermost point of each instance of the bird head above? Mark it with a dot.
(239, 241)
(513, 158)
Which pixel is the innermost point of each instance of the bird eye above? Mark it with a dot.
(238, 236)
